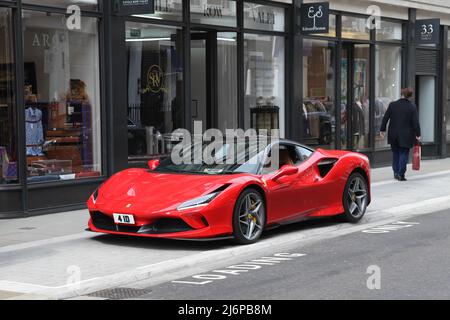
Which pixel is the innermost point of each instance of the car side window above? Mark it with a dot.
(287, 155)
(303, 153)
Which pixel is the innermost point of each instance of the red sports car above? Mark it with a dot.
(239, 201)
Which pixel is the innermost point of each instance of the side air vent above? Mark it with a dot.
(325, 166)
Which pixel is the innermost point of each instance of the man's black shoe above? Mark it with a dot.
(396, 177)
(402, 178)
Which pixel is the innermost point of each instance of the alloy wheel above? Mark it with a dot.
(251, 214)
(357, 197)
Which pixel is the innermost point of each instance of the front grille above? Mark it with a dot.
(161, 226)
(104, 222)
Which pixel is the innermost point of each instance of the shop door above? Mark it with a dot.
(213, 79)
(355, 96)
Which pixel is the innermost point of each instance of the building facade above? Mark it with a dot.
(83, 99)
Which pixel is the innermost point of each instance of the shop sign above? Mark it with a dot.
(130, 7)
(315, 17)
(427, 31)
(214, 12)
(261, 17)
(155, 80)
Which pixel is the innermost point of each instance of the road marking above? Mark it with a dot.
(236, 270)
(387, 228)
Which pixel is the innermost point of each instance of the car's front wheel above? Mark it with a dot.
(249, 217)
(355, 198)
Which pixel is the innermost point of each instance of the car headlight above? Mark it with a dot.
(95, 195)
(198, 202)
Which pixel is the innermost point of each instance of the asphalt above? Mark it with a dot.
(413, 263)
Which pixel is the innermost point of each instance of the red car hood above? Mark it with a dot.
(160, 191)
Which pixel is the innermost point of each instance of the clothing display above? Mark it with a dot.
(34, 131)
(314, 115)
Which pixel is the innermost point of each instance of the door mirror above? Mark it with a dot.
(153, 164)
(285, 171)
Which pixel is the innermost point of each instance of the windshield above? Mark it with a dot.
(222, 160)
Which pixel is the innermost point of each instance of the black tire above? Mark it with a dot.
(355, 198)
(240, 230)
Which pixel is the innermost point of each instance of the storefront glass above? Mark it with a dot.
(448, 93)
(260, 17)
(355, 97)
(166, 10)
(155, 88)
(8, 119)
(427, 107)
(264, 61)
(355, 28)
(318, 110)
(227, 80)
(62, 98)
(389, 31)
(213, 12)
(84, 5)
(388, 78)
(332, 28)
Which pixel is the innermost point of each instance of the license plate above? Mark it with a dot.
(123, 218)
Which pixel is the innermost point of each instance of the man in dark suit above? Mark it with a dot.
(404, 130)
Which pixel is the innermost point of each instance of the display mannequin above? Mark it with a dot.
(34, 131)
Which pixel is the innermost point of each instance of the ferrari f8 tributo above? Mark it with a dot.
(200, 201)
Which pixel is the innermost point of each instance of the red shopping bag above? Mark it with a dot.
(417, 155)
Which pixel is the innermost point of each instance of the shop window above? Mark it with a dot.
(332, 29)
(355, 28)
(213, 12)
(264, 62)
(8, 119)
(426, 94)
(226, 80)
(318, 109)
(155, 88)
(84, 5)
(448, 98)
(355, 97)
(389, 31)
(166, 10)
(261, 17)
(388, 77)
(62, 98)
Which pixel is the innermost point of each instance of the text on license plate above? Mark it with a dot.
(123, 218)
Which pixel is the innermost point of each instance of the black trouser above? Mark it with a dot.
(400, 159)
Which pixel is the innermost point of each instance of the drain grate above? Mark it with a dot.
(120, 293)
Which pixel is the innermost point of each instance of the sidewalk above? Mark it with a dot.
(41, 228)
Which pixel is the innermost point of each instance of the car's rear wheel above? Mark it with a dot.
(355, 198)
(249, 217)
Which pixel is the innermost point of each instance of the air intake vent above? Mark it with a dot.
(325, 166)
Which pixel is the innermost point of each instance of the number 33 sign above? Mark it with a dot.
(427, 31)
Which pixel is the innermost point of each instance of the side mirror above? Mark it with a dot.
(285, 171)
(153, 164)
